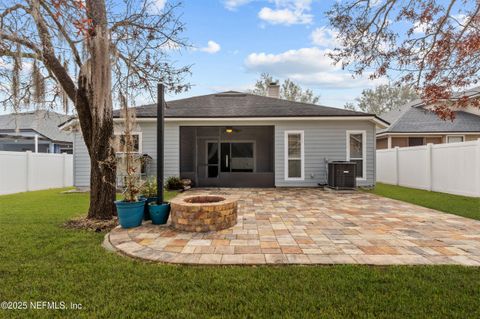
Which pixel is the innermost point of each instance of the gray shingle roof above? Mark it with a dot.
(42, 121)
(237, 104)
(418, 119)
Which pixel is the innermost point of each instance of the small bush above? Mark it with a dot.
(150, 187)
(173, 183)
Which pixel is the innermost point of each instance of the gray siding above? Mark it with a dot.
(172, 146)
(324, 140)
(81, 160)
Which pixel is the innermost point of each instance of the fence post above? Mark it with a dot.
(429, 167)
(28, 170)
(64, 170)
(397, 168)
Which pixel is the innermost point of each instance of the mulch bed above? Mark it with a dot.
(96, 225)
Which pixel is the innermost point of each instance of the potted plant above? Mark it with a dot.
(150, 194)
(159, 212)
(131, 208)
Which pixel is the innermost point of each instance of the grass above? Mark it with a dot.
(453, 204)
(41, 261)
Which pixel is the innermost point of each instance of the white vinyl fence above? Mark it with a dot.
(449, 168)
(27, 171)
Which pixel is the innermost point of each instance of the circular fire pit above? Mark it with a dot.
(203, 213)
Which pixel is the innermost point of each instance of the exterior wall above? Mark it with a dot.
(324, 141)
(472, 137)
(434, 140)
(382, 143)
(399, 141)
(81, 161)
(402, 141)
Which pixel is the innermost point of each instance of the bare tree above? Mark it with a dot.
(80, 51)
(382, 99)
(289, 90)
(433, 46)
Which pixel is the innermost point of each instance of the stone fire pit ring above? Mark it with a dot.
(202, 213)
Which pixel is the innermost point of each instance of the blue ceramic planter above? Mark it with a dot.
(146, 214)
(130, 214)
(159, 213)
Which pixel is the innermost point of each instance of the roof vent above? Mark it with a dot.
(230, 94)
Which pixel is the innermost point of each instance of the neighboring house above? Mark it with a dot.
(35, 131)
(414, 124)
(234, 139)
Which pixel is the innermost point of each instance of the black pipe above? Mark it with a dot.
(160, 140)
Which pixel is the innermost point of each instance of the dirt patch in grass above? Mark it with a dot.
(96, 225)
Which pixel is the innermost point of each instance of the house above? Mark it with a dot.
(35, 131)
(235, 139)
(415, 124)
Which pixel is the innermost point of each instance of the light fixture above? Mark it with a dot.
(229, 129)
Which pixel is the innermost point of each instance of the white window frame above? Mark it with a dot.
(364, 151)
(139, 141)
(302, 156)
(456, 135)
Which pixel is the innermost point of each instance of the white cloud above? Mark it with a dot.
(170, 45)
(461, 19)
(325, 37)
(419, 27)
(308, 66)
(212, 47)
(160, 4)
(234, 4)
(287, 12)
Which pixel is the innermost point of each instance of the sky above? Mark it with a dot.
(236, 40)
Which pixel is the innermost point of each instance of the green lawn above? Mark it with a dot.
(41, 261)
(453, 204)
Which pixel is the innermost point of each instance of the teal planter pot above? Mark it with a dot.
(159, 213)
(146, 214)
(130, 214)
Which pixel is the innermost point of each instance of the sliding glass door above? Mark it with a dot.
(234, 157)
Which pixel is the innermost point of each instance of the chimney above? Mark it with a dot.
(273, 90)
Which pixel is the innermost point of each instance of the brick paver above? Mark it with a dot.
(311, 226)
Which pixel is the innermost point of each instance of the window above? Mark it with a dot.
(415, 141)
(294, 155)
(454, 138)
(356, 151)
(119, 143)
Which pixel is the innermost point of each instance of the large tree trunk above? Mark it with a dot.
(94, 107)
(102, 176)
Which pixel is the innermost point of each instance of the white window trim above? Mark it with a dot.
(139, 141)
(302, 156)
(364, 151)
(454, 135)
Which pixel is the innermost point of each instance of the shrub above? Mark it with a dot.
(173, 183)
(150, 187)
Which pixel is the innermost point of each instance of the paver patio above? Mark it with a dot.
(311, 226)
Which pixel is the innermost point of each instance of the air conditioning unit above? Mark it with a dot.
(342, 175)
